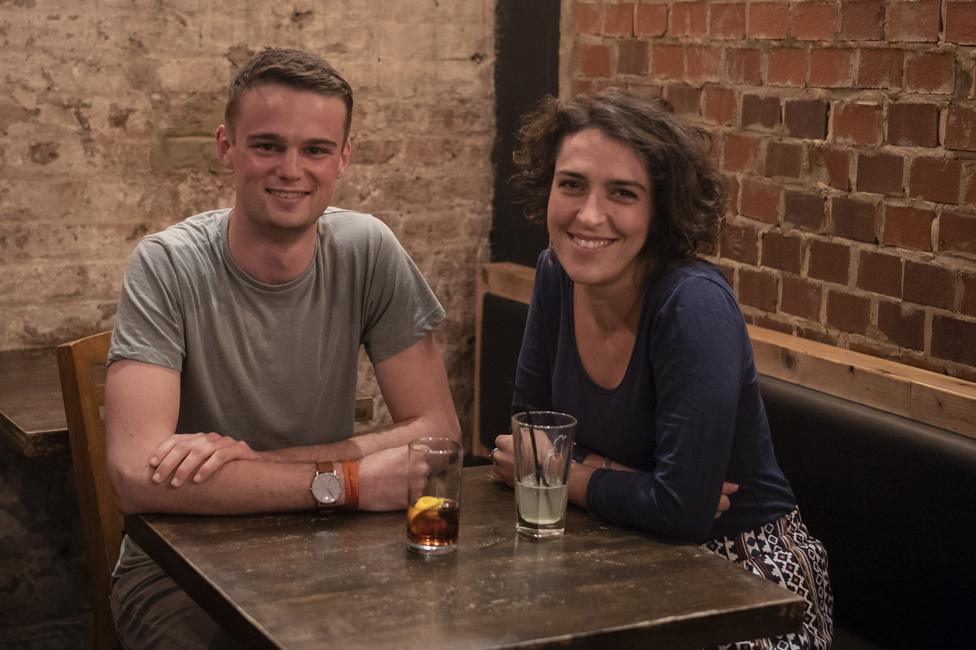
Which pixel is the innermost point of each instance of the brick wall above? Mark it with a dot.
(107, 114)
(847, 130)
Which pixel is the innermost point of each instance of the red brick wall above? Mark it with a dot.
(847, 129)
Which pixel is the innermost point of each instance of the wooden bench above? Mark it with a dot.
(881, 456)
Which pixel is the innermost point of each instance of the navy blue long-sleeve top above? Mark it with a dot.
(687, 414)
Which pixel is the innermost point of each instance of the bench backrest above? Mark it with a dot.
(894, 502)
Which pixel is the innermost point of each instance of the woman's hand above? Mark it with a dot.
(724, 503)
(598, 461)
(503, 456)
(199, 455)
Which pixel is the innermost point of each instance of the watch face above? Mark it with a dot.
(327, 488)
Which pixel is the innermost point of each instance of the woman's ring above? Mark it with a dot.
(493, 452)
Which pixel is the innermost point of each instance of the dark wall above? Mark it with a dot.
(43, 587)
(526, 69)
(501, 338)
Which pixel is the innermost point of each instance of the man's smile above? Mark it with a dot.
(287, 194)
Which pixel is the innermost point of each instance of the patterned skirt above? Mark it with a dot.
(784, 553)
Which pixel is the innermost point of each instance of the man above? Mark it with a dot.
(232, 370)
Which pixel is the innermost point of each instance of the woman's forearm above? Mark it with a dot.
(579, 481)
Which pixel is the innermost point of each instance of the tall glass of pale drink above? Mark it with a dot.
(543, 449)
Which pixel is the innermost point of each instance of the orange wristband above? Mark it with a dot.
(350, 478)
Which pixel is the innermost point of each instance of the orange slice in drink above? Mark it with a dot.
(422, 504)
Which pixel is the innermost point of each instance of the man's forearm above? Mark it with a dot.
(387, 437)
(242, 486)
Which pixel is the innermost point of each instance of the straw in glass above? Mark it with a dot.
(540, 478)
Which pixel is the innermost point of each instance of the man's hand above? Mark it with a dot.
(383, 480)
(724, 503)
(199, 455)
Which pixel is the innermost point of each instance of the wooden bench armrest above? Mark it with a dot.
(921, 395)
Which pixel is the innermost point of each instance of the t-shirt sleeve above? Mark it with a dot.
(149, 322)
(400, 307)
(698, 351)
(533, 373)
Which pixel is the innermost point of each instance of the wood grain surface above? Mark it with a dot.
(31, 409)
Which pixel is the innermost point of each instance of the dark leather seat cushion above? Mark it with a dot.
(894, 502)
(503, 322)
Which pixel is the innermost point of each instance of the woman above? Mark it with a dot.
(643, 342)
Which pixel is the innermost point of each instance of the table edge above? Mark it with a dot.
(34, 444)
(243, 628)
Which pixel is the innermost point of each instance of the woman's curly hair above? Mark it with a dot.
(688, 192)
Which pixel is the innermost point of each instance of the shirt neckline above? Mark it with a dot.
(246, 277)
(572, 338)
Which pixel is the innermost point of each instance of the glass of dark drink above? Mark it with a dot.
(433, 495)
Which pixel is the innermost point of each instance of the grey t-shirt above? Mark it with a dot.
(274, 365)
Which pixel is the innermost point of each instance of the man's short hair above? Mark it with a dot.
(293, 68)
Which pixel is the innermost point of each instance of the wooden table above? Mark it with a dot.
(347, 581)
(31, 409)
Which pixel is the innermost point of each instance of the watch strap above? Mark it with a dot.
(324, 467)
(350, 476)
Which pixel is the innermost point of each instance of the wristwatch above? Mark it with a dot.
(327, 485)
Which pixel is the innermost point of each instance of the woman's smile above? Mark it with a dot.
(590, 243)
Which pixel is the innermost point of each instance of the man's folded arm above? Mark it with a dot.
(141, 409)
